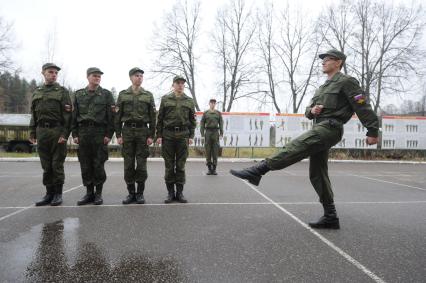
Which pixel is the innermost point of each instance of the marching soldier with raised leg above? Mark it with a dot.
(332, 106)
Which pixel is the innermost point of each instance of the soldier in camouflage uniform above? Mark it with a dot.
(332, 106)
(135, 128)
(51, 111)
(93, 127)
(211, 128)
(175, 130)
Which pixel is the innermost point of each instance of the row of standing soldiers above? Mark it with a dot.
(94, 117)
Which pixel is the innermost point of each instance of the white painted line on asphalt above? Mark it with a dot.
(12, 207)
(388, 182)
(31, 206)
(20, 176)
(231, 160)
(350, 259)
(217, 203)
(138, 205)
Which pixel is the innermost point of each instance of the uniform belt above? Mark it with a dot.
(212, 128)
(48, 124)
(88, 123)
(177, 129)
(332, 121)
(135, 124)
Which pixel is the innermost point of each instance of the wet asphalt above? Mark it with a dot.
(229, 232)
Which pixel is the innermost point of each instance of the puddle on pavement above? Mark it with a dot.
(53, 252)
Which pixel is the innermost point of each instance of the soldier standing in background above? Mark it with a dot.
(136, 110)
(50, 124)
(332, 106)
(93, 127)
(175, 131)
(211, 128)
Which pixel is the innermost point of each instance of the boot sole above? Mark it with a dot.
(326, 226)
(84, 203)
(255, 182)
(42, 204)
(80, 204)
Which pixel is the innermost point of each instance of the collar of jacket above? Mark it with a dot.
(45, 86)
(130, 90)
(172, 95)
(336, 77)
(98, 90)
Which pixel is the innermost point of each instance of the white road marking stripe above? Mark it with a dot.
(31, 206)
(218, 203)
(388, 182)
(350, 259)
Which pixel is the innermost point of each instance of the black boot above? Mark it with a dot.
(171, 193)
(252, 174)
(139, 194)
(98, 195)
(132, 196)
(57, 198)
(214, 169)
(89, 197)
(209, 169)
(329, 220)
(179, 196)
(47, 197)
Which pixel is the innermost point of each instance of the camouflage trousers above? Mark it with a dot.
(211, 145)
(175, 153)
(92, 154)
(135, 152)
(314, 143)
(52, 155)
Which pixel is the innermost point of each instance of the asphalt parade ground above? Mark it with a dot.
(230, 231)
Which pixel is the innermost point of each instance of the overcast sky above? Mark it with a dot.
(112, 35)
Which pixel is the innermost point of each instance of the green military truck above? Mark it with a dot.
(15, 132)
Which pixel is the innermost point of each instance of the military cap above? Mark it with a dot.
(333, 53)
(178, 78)
(135, 70)
(93, 70)
(212, 100)
(50, 65)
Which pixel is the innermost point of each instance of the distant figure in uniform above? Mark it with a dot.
(135, 128)
(175, 131)
(331, 107)
(93, 127)
(211, 127)
(51, 113)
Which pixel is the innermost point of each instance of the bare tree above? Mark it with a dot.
(298, 50)
(335, 25)
(382, 41)
(175, 44)
(233, 41)
(6, 45)
(397, 41)
(51, 43)
(265, 46)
